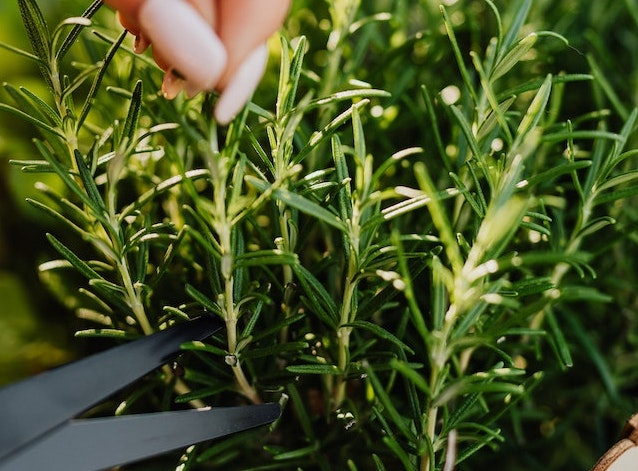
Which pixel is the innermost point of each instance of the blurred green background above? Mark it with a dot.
(578, 410)
(34, 329)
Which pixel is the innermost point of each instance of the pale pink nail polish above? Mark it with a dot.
(241, 86)
(184, 40)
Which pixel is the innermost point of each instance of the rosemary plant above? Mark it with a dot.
(393, 253)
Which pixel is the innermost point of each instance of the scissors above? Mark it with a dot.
(38, 428)
(623, 456)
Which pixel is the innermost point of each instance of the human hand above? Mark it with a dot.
(206, 45)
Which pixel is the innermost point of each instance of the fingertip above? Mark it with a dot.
(241, 86)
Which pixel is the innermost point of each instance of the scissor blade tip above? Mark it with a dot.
(274, 408)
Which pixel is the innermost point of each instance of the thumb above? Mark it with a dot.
(127, 11)
(243, 26)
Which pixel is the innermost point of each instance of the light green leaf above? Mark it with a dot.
(534, 113)
(344, 196)
(320, 136)
(513, 56)
(20, 52)
(289, 76)
(345, 96)
(596, 225)
(116, 334)
(164, 186)
(522, 10)
(33, 105)
(555, 172)
(30, 119)
(318, 369)
(627, 177)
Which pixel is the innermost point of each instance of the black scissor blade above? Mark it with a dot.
(95, 444)
(36, 405)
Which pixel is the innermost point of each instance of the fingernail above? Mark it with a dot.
(191, 90)
(141, 44)
(172, 84)
(241, 86)
(184, 39)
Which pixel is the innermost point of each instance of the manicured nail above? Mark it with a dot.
(241, 86)
(141, 44)
(172, 84)
(184, 39)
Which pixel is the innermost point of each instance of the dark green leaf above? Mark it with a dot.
(389, 408)
(274, 350)
(37, 29)
(199, 394)
(97, 203)
(76, 261)
(77, 29)
(97, 81)
(202, 299)
(132, 118)
(548, 176)
(319, 301)
(309, 207)
(381, 333)
(558, 340)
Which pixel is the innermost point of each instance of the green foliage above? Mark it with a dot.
(397, 233)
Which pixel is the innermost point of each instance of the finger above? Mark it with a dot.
(241, 87)
(127, 12)
(206, 9)
(184, 40)
(243, 25)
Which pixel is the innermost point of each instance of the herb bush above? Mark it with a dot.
(418, 234)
